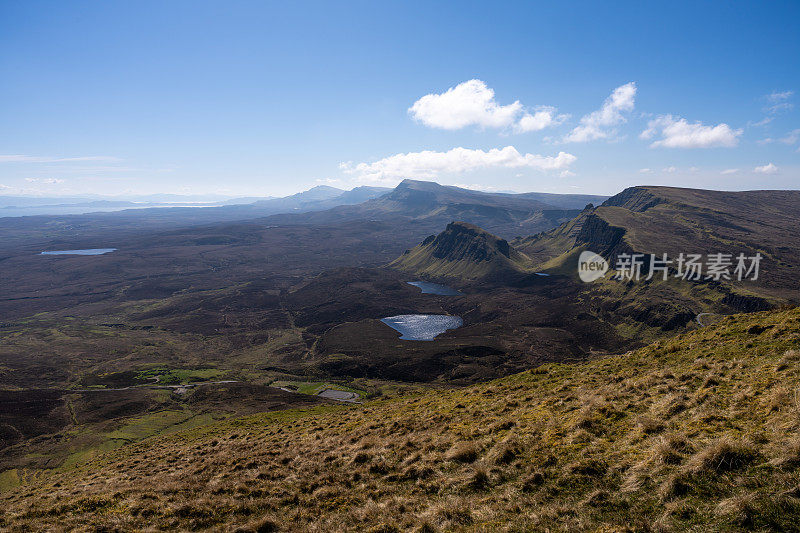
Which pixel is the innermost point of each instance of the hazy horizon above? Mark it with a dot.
(265, 99)
(204, 198)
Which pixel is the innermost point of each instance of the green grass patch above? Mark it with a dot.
(175, 376)
(146, 426)
(315, 387)
(9, 479)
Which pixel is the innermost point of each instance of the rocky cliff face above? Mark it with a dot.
(600, 236)
(462, 251)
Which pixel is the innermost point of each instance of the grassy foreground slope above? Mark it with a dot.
(696, 432)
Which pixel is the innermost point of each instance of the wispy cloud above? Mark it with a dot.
(791, 138)
(601, 124)
(18, 158)
(430, 164)
(677, 132)
(778, 101)
(729, 171)
(472, 103)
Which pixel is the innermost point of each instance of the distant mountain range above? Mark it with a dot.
(321, 197)
(428, 204)
(316, 198)
(424, 207)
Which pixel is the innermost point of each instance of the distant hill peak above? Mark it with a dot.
(419, 185)
(456, 231)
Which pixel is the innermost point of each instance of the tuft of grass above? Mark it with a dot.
(463, 452)
(723, 455)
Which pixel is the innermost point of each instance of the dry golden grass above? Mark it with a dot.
(698, 432)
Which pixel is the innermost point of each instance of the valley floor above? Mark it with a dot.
(697, 432)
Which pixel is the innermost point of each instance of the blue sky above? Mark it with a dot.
(268, 98)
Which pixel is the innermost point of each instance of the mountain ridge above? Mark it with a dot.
(656, 219)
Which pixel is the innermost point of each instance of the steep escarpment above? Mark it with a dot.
(590, 228)
(674, 221)
(463, 251)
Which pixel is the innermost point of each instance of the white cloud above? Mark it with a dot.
(472, 103)
(729, 171)
(17, 158)
(49, 181)
(468, 103)
(645, 171)
(476, 187)
(769, 168)
(677, 132)
(601, 124)
(543, 117)
(329, 181)
(670, 170)
(430, 164)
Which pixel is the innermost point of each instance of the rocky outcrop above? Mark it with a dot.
(637, 199)
(463, 251)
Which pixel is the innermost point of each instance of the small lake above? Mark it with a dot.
(422, 327)
(435, 288)
(89, 251)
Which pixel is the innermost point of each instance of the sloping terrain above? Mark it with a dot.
(463, 251)
(50, 428)
(674, 221)
(696, 432)
(671, 220)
